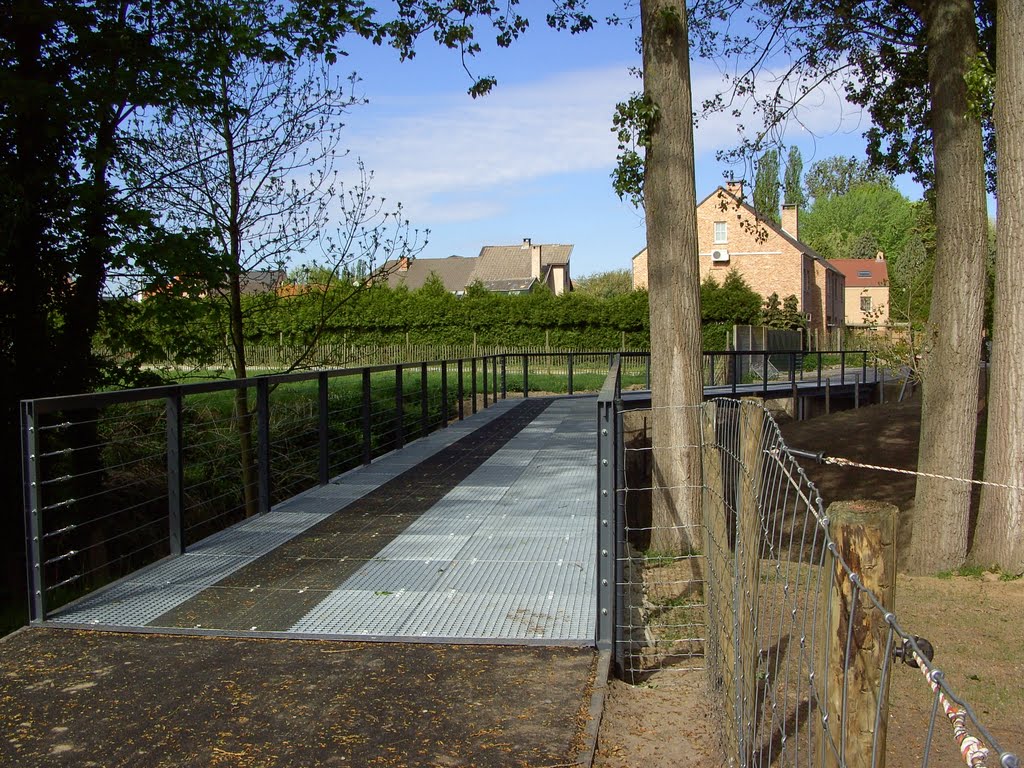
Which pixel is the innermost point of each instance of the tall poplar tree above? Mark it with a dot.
(793, 188)
(766, 186)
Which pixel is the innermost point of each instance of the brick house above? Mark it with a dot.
(500, 268)
(770, 258)
(867, 290)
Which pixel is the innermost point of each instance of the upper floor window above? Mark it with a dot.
(721, 232)
(865, 303)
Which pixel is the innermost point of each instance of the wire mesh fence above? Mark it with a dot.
(786, 607)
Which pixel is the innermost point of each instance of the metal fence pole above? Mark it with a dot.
(399, 408)
(606, 519)
(483, 362)
(504, 377)
(462, 408)
(367, 417)
(424, 403)
(444, 393)
(263, 450)
(570, 372)
(472, 385)
(33, 510)
(175, 474)
(322, 391)
(526, 375)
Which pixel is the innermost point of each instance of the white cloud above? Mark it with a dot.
(454, 159)
(472, 151)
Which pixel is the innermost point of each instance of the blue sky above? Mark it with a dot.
(533, 158)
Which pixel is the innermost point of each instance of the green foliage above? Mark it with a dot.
(783, 314)
(868, 217)
(836, 176)
(981, 86)
(731, 302)
(604, 285)
(766, 186)
(632, 124)
(793, 191)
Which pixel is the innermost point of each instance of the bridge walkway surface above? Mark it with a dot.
(472, 551)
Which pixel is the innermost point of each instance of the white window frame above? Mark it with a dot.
(724, 236)
(865, 299)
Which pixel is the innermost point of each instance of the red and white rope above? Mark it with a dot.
(972, 750)
(841, 462)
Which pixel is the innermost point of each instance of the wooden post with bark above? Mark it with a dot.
(748, 562)
(856, 634)
(719, 581)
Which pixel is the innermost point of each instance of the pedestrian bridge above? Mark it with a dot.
(483, 531)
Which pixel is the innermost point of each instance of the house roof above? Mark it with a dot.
(863, 273)
(454, 272)
(774, 228)
(261, 280)
(510, 262)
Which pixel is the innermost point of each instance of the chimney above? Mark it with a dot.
(880, 256)
(403, 264)
(526, 244)
(790, 220)
(735, 188)
(535, 263)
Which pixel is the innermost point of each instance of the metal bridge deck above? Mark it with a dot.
(484, 531)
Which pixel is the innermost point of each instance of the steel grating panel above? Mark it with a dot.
(557, 577)
(423, 547)
(396, 575)
(127, 604)
(359, 612)
(527, 548)
(501, 616)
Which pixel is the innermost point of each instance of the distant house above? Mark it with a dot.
(770, 258)
(509, 269)
(867, 290)
(255, 281)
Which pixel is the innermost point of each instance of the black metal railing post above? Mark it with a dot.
(504, 377)
(494, 379)
(818, 353)
(483, 362)
(263, 444)
(367, 417)
(323, 468)
(472, 385)
(175, 473)
(444, 393)
(569, 371)
(399, 408)
(605, 625)
(462, 407)
(526, 375)
(33, 508)
(734, 361)
(842, 367)
(424, 402)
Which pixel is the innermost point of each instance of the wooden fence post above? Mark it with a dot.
(748, 569)
(857, 633)
(719, 583)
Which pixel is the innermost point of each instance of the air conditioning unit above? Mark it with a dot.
(719, 256)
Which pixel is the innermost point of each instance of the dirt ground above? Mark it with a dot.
(974, 622)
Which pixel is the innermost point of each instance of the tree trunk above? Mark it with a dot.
(243, 414)
(999, 538)
(953, 335)
(670, 201)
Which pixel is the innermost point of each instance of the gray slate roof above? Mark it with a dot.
(454, 272)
